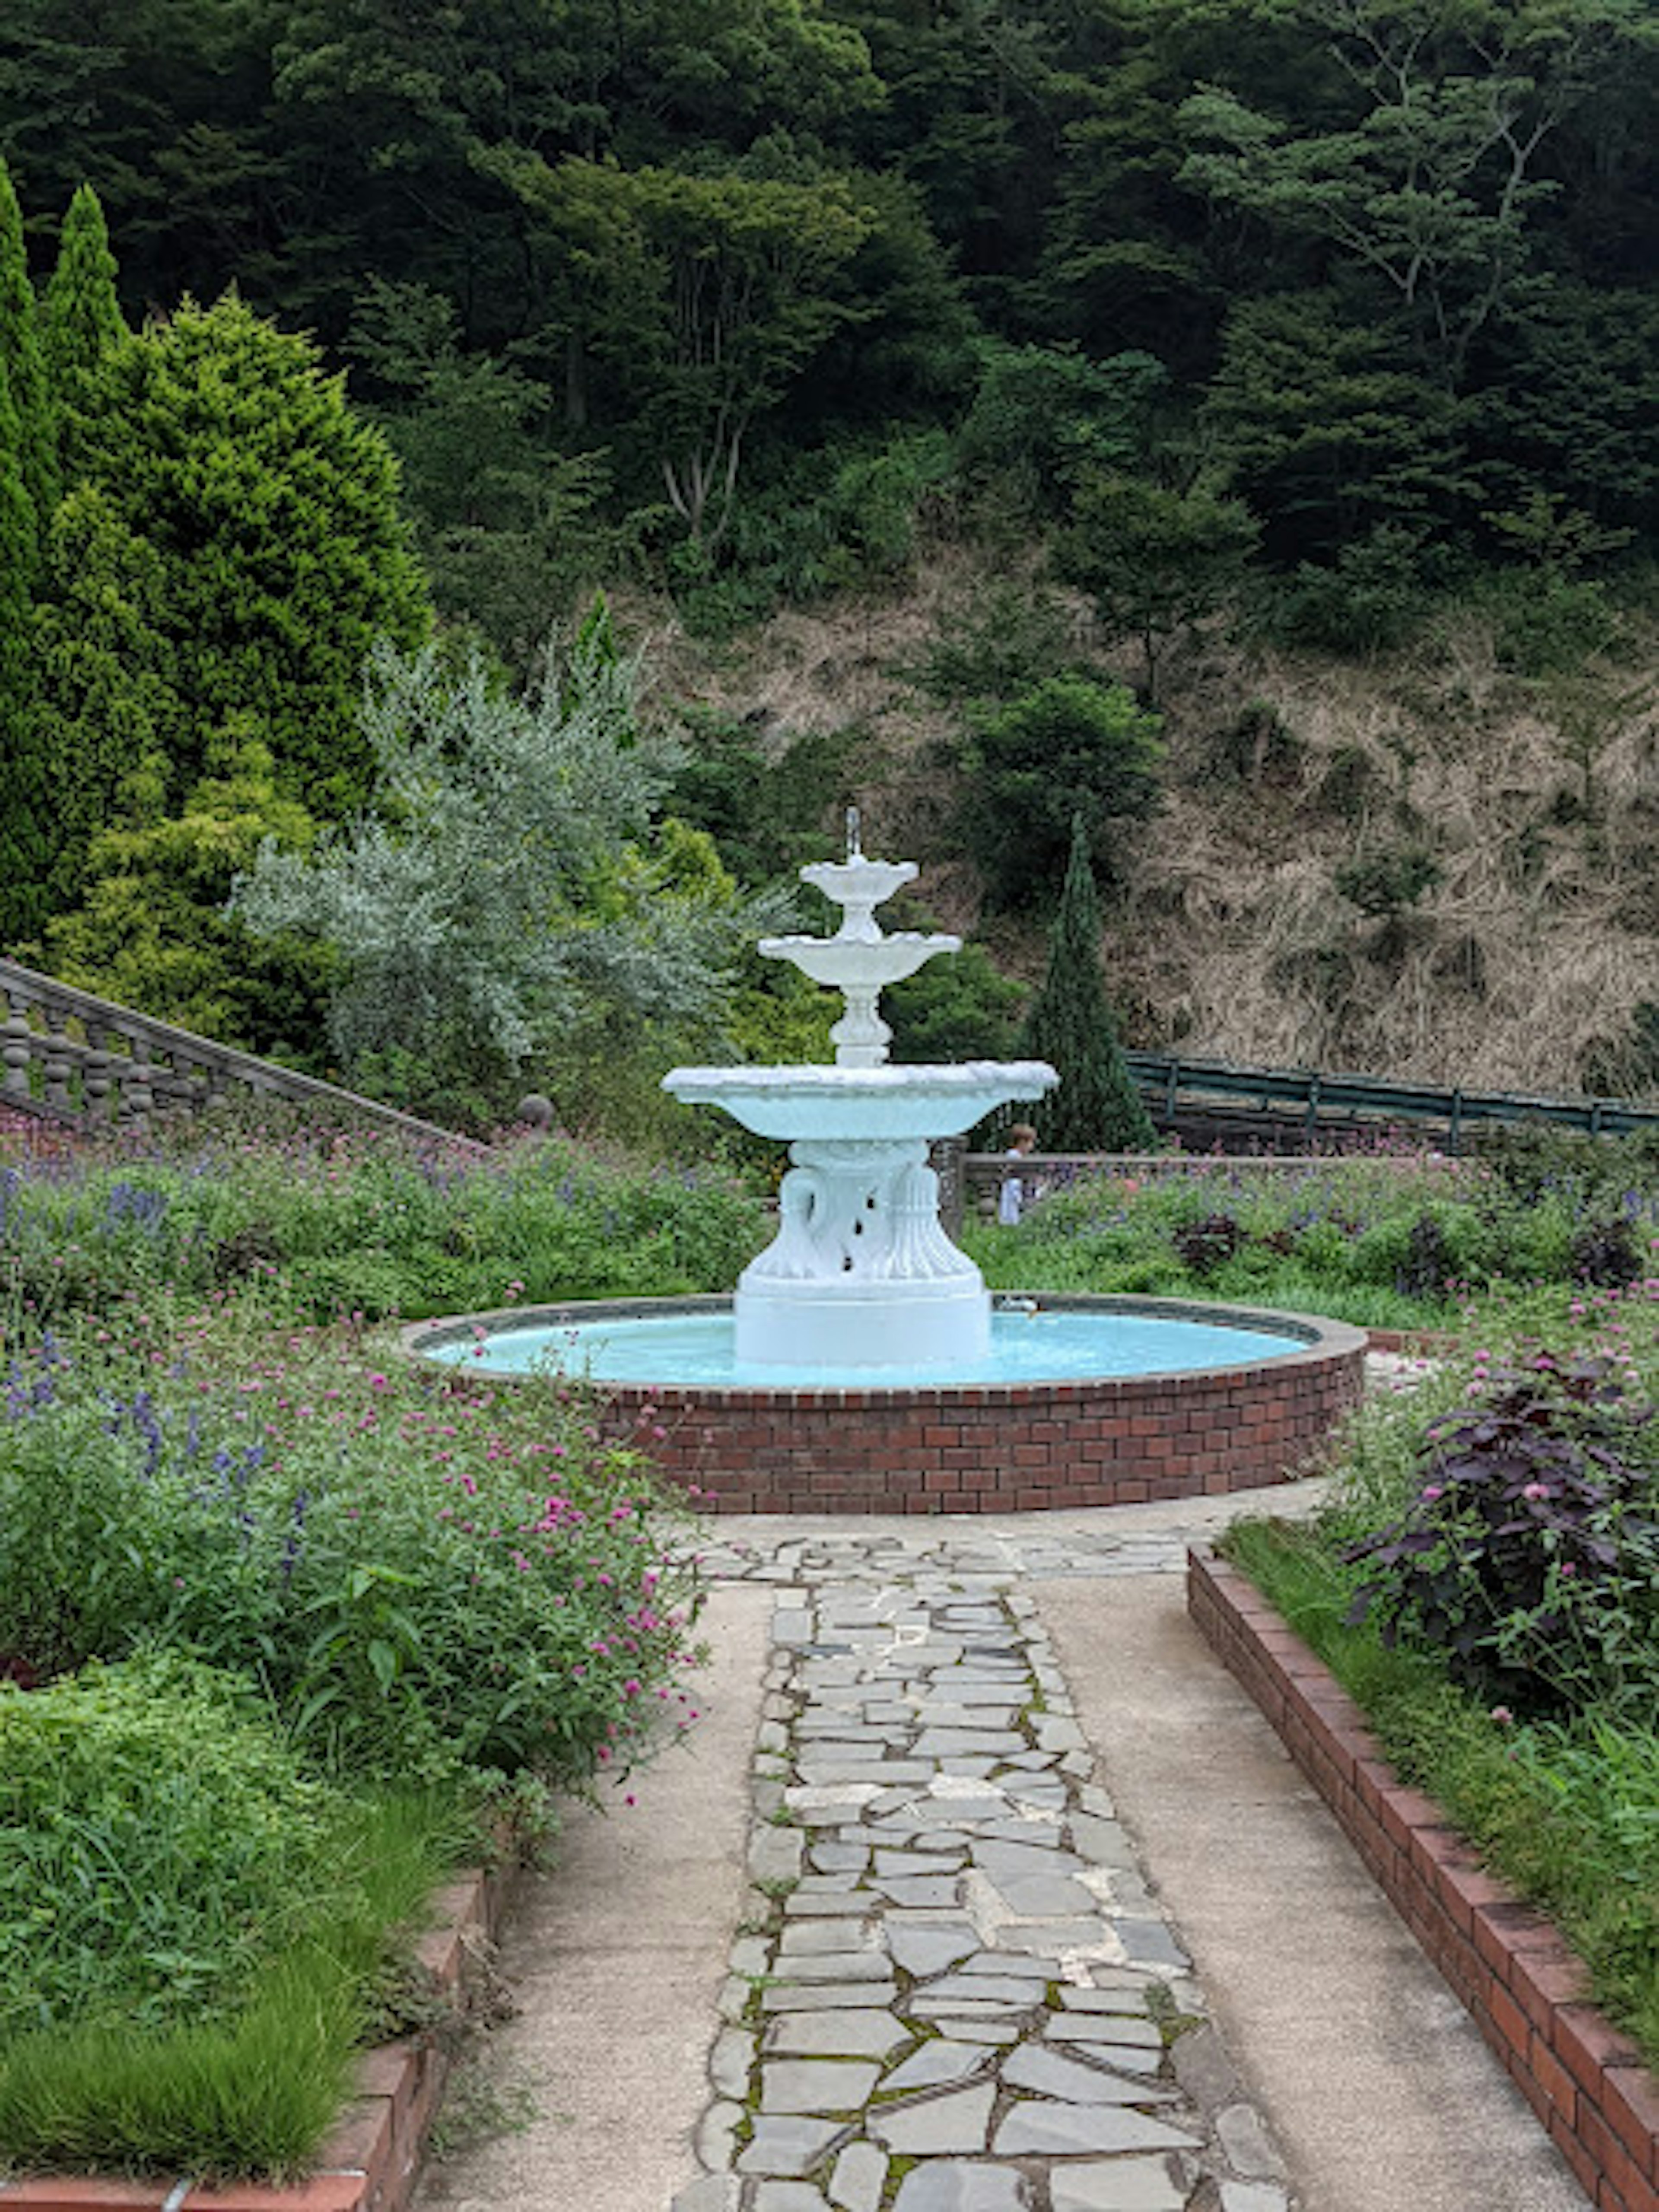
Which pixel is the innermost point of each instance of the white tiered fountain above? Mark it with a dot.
(862, 1274)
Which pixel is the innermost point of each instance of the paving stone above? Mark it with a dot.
(936, 2064)
(977, 2030)
(748, 1956)
(729, 2063)
(1021, 1965)
(1057, 1732)
(1127, 2022)
(1252, 2197)
(1121, 1997)
(823, 1904)
(950, 2185)
(921, 2006)
(891, 1862)
(811, 1996)
(851, 2034)
(832, 1856)
(1090, 2039)
(1204, 2070)
(1151, 1943)
(790, 2196)
(714, 2142)
(859, 2177)
(774, 1854)
(1245, 2141)
(788, 2144)
(1121, 2185)
(709, 2192)
(835, 1773)
(822, 1937)
(1057, 2130)
(923, 1951)
(946, 1743)
(842, 1966)
(817, 2085)
(1054, 2074)
(1046, 1897)
(981, 1989)
(956, 2121)
(1103, 1843)
(1078, 1939)
(920, 1888)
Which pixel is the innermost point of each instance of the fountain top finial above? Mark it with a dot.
(854, 850)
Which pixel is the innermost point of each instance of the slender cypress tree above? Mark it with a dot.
(26, 835)
(26, 370)
(1095, 1107)
(84, 335)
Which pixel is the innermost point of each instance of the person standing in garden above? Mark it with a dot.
(1010, 1199)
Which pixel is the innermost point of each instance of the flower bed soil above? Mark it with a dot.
(1509, 1965)
(371, 2160)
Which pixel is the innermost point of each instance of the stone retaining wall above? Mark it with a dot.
(1509, 1965)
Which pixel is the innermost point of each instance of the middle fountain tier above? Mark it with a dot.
(862, 1274)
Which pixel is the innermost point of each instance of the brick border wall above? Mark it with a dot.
(975, 1448)
(1523, 1987)
(370, 2161)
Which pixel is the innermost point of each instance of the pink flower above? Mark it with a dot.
(1501, 1715)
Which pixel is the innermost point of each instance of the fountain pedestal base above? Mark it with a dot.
(863, 1326)
(861, 1273)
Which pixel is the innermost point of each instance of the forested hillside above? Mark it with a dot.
(1238, 419)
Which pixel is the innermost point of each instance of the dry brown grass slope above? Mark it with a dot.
(1522, 966)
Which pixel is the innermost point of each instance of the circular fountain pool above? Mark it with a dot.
(1082, 1401)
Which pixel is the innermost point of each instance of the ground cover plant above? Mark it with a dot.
(320, 1223)
(273, 1567)
(1392, 1240)
(1486, 1584)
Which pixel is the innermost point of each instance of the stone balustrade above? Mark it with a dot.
(86, 1063)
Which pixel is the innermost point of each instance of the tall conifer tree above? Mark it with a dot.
(26, 847)
(1095, 1107)
(84, 335)
(21, 350)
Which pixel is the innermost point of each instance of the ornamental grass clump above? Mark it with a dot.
(427, 1575)
(1529, 1554)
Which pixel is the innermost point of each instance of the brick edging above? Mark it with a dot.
(1523, 1987)
(370, 2161)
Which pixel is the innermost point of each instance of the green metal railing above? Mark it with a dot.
(1314, 1099)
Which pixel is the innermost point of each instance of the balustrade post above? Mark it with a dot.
(56, 1067)
(19, 1048)
(138, 1093)
(95, 1074)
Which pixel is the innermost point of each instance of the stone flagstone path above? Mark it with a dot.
(953, 1991)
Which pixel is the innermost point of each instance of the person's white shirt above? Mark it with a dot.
(1012, 1197)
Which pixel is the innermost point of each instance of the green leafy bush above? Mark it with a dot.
(157, 1840)
(1068, 746)
(428, 1575)
(1529, 1556)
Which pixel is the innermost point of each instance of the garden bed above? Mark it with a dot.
(1509, 1965)
(371, 2160)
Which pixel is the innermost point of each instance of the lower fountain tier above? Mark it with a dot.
(861, 1273)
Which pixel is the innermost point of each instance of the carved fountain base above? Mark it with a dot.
(860, 1274)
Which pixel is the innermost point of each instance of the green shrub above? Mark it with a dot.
(426, 1574)
(157, 1840)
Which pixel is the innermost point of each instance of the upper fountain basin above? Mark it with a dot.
(858, 963)
(859, 1104)
(858, 883)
